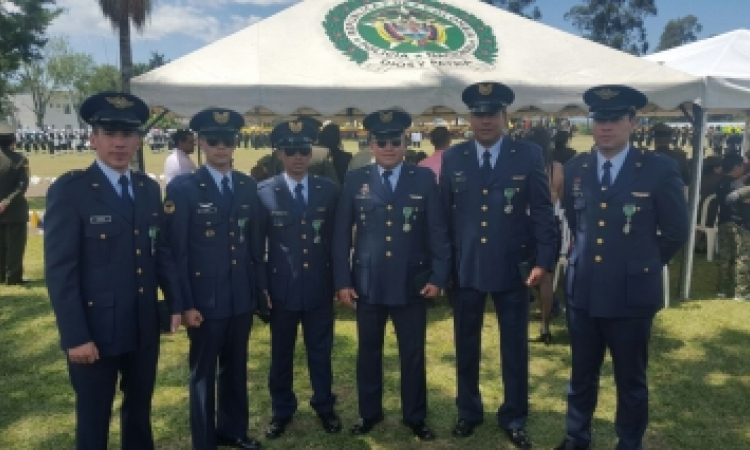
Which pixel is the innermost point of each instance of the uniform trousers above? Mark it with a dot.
(627, 340)
(410, 323)
(223, 342)
(317, 332)
(512, 312)
(94, 385)
(13, 237)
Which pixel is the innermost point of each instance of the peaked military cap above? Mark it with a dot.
(6, 128)
(217, 120)
(662, 130)
(612, 101)
(115, 109)
(489, 97)
(294, 134)
(387, 122)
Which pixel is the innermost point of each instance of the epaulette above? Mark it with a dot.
(75, 173)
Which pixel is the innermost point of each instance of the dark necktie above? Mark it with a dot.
(387, 183)
(125, 192)
(486, 165)
(607, 175)
(226, 191)
(299, 199)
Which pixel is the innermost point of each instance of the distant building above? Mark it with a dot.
(60, 114)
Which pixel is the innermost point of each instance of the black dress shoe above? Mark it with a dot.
(568, 444)
(364, 426)
(465, 428)
(518, 437)
(330, 422)
(421, 430)
(243, 442)
(277, 426)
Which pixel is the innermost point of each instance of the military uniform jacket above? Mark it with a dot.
(14, 180)
(300, 276)
(103, 265)
(616, 270)
(218, 250)
(499, 222)
(401, 244)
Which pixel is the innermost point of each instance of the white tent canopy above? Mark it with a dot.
(723, 60)
(345, 57)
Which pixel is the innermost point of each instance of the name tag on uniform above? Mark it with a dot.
(641, 194)
(322, 209)
(98, 220)
(519, 177)
(279, 213)
(206, 210)
(459, 177)
(415, 197)
(244, 206)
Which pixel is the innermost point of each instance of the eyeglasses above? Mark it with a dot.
(227, 140)
(291, 151)
(396, 142)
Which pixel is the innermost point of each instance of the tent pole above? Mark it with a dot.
(746, 134)
(686, 272)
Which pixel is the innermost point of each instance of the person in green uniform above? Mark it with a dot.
(14, 210)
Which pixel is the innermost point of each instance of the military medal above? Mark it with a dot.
(407, 215)
(509, 193)
(316, 225)
(629, 210)
(152, 231)
(241, 223)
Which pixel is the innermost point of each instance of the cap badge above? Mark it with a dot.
(485, 88)
(606, 94)
(386, 117)
(295, 127)
(221, 117)
(119, 102)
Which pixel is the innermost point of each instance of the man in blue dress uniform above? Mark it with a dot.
(214, 229)
(401, 257)
(102, 265)
(298, 215)
(502, 230)
(626, 210)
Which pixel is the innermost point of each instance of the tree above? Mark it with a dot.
(36, 78)
(103, 78)
(157, 60)
(120, 14)
(518, 7)
(679, 31)
(22, 27)
(616, 23)
(72, 72)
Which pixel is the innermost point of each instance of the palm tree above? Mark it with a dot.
(120, 13)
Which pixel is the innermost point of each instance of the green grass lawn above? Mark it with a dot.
(700, 386)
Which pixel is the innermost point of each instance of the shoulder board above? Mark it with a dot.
(71, 175)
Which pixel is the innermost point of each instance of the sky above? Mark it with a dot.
(178, 27)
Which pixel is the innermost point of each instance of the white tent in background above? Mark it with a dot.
(348, 57)
(724, 64)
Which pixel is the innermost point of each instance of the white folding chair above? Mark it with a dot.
(562, 259)
(710, 231)
(665, 282)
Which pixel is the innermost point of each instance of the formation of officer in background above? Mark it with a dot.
(14, 210)
(497, 197)
(103, 261)
(298, 211)
(627, 212)
(216, 239)
(53, 141)
(400, 262)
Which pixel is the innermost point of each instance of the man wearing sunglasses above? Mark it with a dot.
(504, 239)
(213, 219)
(627, 212)
(298, 214)
(400, 262)
(104, 257)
